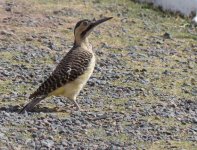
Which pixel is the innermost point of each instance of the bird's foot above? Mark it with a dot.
(77, 106)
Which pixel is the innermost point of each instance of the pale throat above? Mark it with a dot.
(84, 44)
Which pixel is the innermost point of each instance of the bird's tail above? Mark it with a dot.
(31, 104)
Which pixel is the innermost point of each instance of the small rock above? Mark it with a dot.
(4, 32)
(190, 65)
(8, 8)
(194, 120)
(29, 38)
(48, 143)
(167, 35)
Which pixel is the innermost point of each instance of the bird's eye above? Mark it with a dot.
(85, 23)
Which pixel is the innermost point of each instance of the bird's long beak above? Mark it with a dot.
(93, 24)
(97, 22)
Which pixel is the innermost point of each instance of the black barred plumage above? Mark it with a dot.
(73, 61)
(74, 69)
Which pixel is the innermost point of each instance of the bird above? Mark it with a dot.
(73, 71)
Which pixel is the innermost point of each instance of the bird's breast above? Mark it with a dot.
(72, 89)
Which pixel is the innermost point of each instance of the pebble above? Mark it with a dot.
(48, 143)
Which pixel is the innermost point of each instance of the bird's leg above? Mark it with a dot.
(77, 105)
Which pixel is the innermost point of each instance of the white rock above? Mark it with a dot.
(194, 20)
(186, 7)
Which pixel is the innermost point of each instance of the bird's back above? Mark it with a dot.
(74, 65)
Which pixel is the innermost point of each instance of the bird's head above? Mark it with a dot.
(84, 27)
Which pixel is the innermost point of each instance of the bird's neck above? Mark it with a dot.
(83, 44)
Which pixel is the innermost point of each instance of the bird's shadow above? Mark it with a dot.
(17, 108)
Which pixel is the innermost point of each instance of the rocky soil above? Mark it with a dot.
(142, 94)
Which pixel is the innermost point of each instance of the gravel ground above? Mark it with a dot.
(142, 94)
